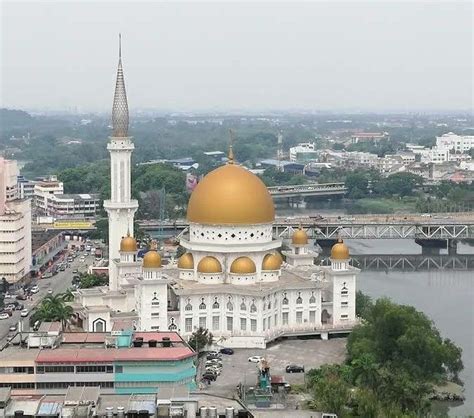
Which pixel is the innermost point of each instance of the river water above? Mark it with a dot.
(445, 296)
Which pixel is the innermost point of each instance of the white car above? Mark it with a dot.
(256, 359)
(34, 289)
(24, 312)
(4, 316)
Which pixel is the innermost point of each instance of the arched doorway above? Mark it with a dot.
(99, 325)
(325, 316)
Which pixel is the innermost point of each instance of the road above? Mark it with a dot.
(58, 284)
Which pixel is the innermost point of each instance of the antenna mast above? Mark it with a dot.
(280, 150)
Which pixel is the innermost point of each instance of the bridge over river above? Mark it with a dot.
(442, 226)
(308, 190)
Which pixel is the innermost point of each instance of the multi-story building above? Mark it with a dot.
(303, 153)
(364, 159)
(26, 188)
(68, 206)
(368, 136)
(15, 225)
(124, 362)
(455, 143)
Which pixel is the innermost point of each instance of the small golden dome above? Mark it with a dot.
(300, 237)
(209, 265)
(243, 265)
(186, 261)
(128, 244)
(152, 260)
(272, 261)
(231, 195)
(340, 251)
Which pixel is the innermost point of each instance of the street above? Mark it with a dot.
(59, 283)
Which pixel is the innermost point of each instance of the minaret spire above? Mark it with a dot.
(230, 157)
(120, 106)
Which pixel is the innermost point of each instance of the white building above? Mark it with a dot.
(15, 226)
(231, 280)
(455, 143)
(68, 206)
(368, 136)
(303, 152)
(364, 159)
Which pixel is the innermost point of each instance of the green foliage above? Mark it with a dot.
(86, 281)
(364, 304)
(273, 177)
(200, 339)
(53, 308)
(400, 184)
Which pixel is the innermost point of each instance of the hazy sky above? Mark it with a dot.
(374, 55)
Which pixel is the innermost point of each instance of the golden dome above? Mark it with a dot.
(128, 244)
(272, 261)
(230, 195)
(152, 260)
(340, 251)
(243, 265)
(209, 265)
(186, 261)
(300, 237)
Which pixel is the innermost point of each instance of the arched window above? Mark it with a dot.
(215, 305)
(172, 326)
(269, 305)
(312, 299)
(344, 290)
(99, 325)
(285, 299)
(155, 297)
(230, 305)
(243, 306)
(299, 299)
(202, 305)
(188, 306)
(253, 308)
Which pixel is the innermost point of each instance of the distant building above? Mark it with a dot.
(26, 188)
(363, 159)
(455, 143)
(121, 361)
(68, 206)
(15, 225)
(368, 136)
(303, 153)
(286, 166)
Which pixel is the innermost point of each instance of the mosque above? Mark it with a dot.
(232, 280)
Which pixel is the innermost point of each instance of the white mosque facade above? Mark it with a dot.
(231, 280)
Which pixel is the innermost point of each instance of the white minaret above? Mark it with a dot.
(120, 208)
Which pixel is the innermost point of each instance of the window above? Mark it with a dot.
(344, 316)
(54, 369)
(188, 306)
(155, 303)
(95, 369)
(253, 308)
(269, 305)
(215, 323)
(243, 324)
(202, 305)
(312, 316)
(188, 324)
(230, 306)
(299, 299)
(284, 318)
(202, 322)
(344, 304)
(155, 314)
(269, 320)
(344, 290)
(215, 305)
(230, 323)
(243, 306)
(312, 299)
(285, 299)
(299, 317)
(253, 325)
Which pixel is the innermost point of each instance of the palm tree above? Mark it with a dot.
(53, 308)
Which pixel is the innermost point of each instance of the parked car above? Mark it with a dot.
(209, 376)
(34, 289)
(4, 315)
(214, 355)
(256, 359)
(24, 313)
(213, 363)
(19, 307)
(12, 327)
(47, 275)
(214, 370)
(293, 368)
(227, 351)
(21, 297)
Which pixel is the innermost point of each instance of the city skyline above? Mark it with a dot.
(222, 57)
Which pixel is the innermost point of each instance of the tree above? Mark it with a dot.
(357, 184)
(364, 304)
(401, 184)
(4, 285)
(86, 281)
(200, 339)
(52, 308)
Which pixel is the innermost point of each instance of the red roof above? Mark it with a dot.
(84, 337)
(109, 355)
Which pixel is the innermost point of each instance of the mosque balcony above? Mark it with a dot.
(229, 247)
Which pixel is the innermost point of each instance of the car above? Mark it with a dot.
(21, 297)
(75, 271)
(24, 313)
(293, 368)
(209, 376)
(227, 351)
(10, 306)
(19, 307)
(4, 315)
(47, 275)
(12, 327)
(8, 296)
(213, 356)
(214, 370)
(50, 291)
(210, 363)
(34, 289)
(256, 359)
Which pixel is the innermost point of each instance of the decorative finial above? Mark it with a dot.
(231, 150)
(120, 106)
(153, 245)
(128, 231)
